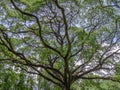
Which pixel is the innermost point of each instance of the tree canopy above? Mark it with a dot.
(62, 41)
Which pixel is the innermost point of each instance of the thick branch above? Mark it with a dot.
(40, 29)
(103, 78)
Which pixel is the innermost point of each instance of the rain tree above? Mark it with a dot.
(62, 41)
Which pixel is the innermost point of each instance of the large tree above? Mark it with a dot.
(63, 41)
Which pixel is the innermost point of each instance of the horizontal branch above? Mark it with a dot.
(103, 78)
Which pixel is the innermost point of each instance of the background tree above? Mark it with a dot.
(62, 41)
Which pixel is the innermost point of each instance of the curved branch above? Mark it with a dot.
(40, 29)
(66, 27)
(103, 78)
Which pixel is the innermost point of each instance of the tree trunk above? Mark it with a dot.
(65, 88)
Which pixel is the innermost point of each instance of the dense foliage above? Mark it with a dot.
(60, 44)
